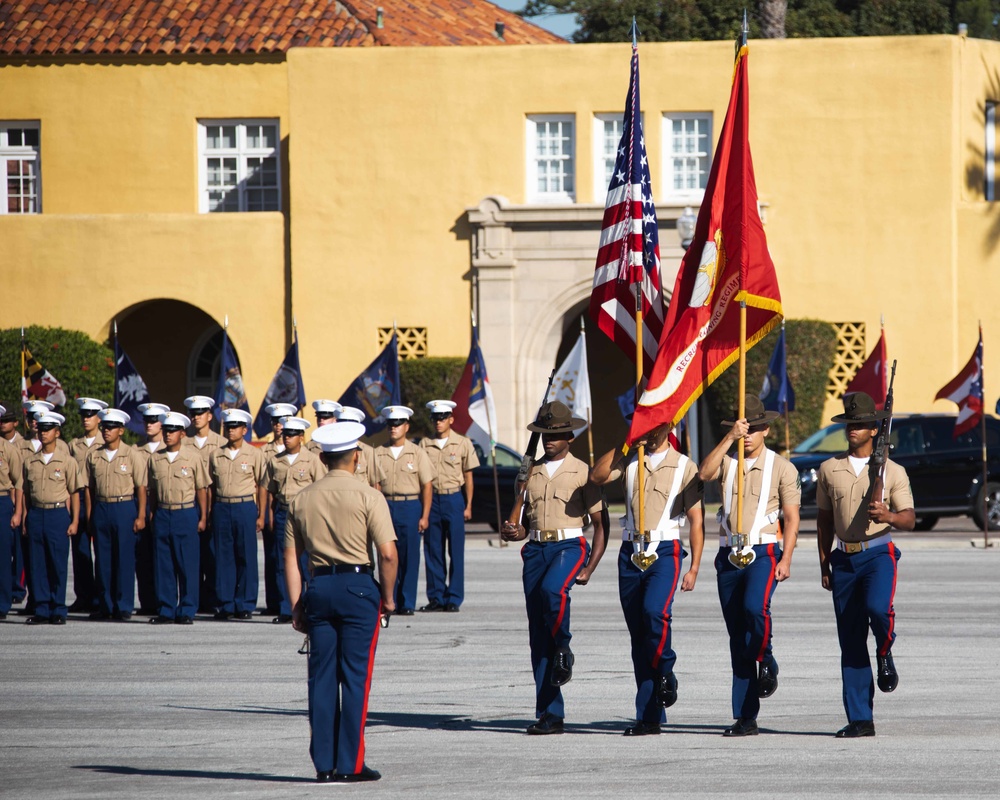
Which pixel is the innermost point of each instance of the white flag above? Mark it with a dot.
(571, 384)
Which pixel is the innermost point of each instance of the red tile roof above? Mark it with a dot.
(134, 27)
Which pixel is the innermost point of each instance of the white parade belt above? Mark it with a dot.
(650, 536)
(857, 547)
(558, 535)
(760, 538)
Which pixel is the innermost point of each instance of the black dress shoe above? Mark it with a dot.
(243, 615)
(433, 605)
(666, 690)
(3, 615)
(643, 729)
(562, 667)
(79, 607)
(548, 725)
(222, 616)
(856, 730)
(122, 616)
(742, 727)
(403, 612)
(366, 774)
(451, 608)
(888, 678)
(767, 678)
(57, 620)
(36, 620)
(325, 776)
(184, 619)
(159, 619)
(282, 619)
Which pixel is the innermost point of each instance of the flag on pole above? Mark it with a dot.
(871, 378)
(629, 251)
(726, 263)
(37, 383)
(286, 387)
(966, 389)
(571, 384)
(229, 391)
(130, 390)
(475, 412)
(376, 387)
(777, 393)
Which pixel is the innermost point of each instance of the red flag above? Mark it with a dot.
(726, 263)
(630, 247)
(966, 389)
(871, 379)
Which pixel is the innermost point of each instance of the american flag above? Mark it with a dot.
(966, 389)
(630, 246)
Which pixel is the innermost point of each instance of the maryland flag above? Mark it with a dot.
(37, 383)
(727, 263)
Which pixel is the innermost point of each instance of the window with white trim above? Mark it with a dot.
(687, 154)
(990, 153)
(239, 165)
(551, 148)
(607, 136)
(19, 161)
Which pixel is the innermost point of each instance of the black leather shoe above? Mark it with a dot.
(366, 774)
(243, 615)
(433, 605)
(57, 620)
(3, 615)
(562, 667)
(888, 678)
(159, 619)
(666, 690)
(282, 619)
(767, 679)
(856, 730)
(403, 612)
(742, 727)
(79, 607)
(548, 725)
(222, 616)
(36, 620)
(643, 729)
(122, 616)
(451, 608)
(324, 777)
(184, 619)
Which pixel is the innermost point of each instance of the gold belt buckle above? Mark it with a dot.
(853, 547)
(642, 537)
(550, 536)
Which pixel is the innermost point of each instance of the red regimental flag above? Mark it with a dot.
(871, 379)
(727, 261)
(966, 389)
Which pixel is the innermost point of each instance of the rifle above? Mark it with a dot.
(529, 455)
(880, 450)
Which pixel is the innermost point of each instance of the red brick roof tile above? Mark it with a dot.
(122, 27)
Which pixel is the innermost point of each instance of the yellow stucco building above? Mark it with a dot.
(411, 184)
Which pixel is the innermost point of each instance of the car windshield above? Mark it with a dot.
(505, 456)
(830, 439)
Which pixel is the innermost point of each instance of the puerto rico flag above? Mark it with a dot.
(966, 389)
(475, 412)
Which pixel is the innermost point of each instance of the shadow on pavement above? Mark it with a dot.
(110, 769)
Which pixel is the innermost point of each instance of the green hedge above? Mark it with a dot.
(810, 347)
(425, 379)
(83, 367)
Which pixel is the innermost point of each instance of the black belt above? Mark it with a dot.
(394, 498)
(341, 569)
(121, 499)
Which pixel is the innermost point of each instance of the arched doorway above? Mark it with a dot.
(174, 345)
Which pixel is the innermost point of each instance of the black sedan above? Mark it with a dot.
(484, 506)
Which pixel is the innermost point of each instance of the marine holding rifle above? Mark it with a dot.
(861, 497)
(649, 563)
(551, 512)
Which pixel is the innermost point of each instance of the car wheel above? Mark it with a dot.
(926, 522)
(992, 507)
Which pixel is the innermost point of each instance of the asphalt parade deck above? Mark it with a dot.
(115, 710)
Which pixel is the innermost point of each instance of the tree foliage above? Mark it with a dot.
(83, 367)
(424, 379)
(701, 20)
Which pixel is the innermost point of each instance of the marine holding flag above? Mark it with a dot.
(727, 262)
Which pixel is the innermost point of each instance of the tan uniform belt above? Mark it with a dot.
(397, 497)
(448, 491)
(856, 547)
(175, 506)
(120, 499)
(49, 506)
(760, 538)
(228, 500)
(559, 535)
(650, 536)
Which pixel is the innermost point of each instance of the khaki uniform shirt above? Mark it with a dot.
(784, 490)
(337, 520)
(839, 490)
(236, 477)
(143, 451)
(406, 474)
(28, 447)
(53, 482)
(657, 485)
(212, 442)
(11, 467)
(450, 462)
(78, 448)
(120, 477)
(284, 480)
(367, 470)
(270, 450)
(563, 500)
(177, 482)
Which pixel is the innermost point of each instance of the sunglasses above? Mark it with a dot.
(151, 420)
(46, 426)
(439, 417)
(288, 433)
(110, 426)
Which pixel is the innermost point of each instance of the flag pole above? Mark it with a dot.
(590, 427)
(788, 435)
(986, 494)
(640, 478)
(493, 447)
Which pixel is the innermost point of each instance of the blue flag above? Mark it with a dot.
(229, 391)
(376, 388)
(130, 390)
(626, 403)
(286, 387)
(777, 391)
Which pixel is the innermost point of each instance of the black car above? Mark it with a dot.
(946, 473)
(484, 506)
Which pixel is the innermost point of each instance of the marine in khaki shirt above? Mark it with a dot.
(238, 472)
(124, 474)
(284, 479)
(178, 482)
(453, 458)
(843, 493)
(406, 473)
(57, 481)
(12, 479)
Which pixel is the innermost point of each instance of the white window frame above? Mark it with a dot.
(990, 152)
(601, 180)
(531, 145)
(20, 153)
(242, 152)
(683, 195)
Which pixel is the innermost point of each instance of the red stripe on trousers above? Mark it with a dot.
(892, 613)
(766, 611)
(359, 765)
(565, 587)
(666, 605)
